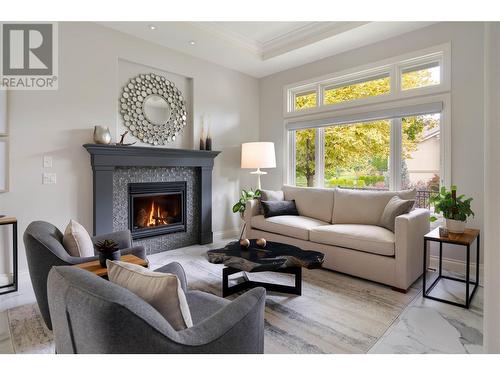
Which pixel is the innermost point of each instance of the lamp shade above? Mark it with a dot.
(258, 155)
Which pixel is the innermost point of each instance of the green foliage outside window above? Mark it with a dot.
(357, 154)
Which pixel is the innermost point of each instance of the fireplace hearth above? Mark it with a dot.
(156, 208)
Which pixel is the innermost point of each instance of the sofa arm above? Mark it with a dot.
(252, 208)
(123, 238)
(410, 230)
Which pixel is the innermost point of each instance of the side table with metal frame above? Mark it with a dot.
(13, 286)
(464, 239)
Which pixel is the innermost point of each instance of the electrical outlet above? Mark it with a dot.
(47, 161)
(49, 178)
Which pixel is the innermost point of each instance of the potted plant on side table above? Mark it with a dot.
(107, 249)
(455, 209)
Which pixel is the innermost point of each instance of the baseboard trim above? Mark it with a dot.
(227, 234)
(457, 266)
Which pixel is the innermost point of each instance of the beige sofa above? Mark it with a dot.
(343, 224)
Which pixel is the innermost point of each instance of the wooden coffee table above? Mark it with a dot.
(275, 257)
(95, 267)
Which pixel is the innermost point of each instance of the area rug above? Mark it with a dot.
(336, 313)
(28, 332)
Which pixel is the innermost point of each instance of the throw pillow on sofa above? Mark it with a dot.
(77, 241)
(279, 208)
(395, 207)
(161, 290)
(270, 195)
(364, 206)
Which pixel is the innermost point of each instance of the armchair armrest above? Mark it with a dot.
(123, 238)
(176, 269)
(252, 208)
(409, 233)
(236, 328)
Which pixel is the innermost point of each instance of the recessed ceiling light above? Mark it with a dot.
(192, 42)
(152, 27)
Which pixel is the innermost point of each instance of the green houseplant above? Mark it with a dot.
(245, 196)
(455, 209)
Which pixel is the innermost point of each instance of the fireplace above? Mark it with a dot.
(156, 208)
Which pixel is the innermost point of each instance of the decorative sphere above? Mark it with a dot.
(245, 242)
(261, 242)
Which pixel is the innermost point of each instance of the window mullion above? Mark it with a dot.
(320, 157)
(395, 156)
(292, 158)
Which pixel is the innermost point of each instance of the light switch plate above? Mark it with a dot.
(49, 178)
(47, 161)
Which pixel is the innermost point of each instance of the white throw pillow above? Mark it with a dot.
(77, 241)
(161, 290)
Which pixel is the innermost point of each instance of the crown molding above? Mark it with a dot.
(286, 42)
(306, 35)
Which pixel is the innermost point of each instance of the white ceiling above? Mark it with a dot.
(263, 48)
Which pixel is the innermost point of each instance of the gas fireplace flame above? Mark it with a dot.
(156, 217)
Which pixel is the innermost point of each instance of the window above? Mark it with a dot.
(385, 126)
(392, 79)
(421, 76)
(397, 153)
(305, 100)
(357, 90)
(305, 157)
(357, 155)
(421, 152)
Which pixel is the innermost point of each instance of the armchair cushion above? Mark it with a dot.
(163, 291)
(77, 241)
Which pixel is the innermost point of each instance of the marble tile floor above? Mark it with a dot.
(424, 326)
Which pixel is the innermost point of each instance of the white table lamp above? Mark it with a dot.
(258, 155)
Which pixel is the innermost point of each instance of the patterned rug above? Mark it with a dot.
(335, 314)
(28, 331)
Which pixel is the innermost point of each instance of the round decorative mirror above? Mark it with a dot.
(153, 109)
(156, 109)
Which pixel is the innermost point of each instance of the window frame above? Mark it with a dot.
(395, 156)
(392, 66)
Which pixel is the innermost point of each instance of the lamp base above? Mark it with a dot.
(259, 173)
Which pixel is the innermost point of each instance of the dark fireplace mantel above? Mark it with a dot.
(104, 159)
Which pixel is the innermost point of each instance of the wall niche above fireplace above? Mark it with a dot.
(156, 208)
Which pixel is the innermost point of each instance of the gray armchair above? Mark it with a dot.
(93, 315)
(44, 249)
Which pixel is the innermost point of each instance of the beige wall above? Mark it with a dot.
(491, 184)
(467, 100)
(57, 123)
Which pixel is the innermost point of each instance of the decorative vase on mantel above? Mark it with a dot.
(102, 135)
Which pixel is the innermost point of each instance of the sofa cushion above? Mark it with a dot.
(368, 238)
(364, 206)
(292, 226)
(272, 195)
(311, 202)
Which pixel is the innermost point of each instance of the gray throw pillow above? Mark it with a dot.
(395, 207)
(279, 208)
(270, 195)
